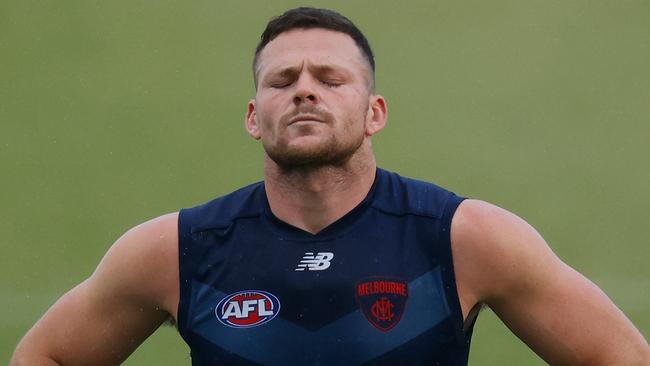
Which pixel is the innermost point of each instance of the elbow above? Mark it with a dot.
(640, 356)
(644, 357)
(25, 357)
(28, 360)
(20, 358)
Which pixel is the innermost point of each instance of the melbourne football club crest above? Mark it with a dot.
(382, 301)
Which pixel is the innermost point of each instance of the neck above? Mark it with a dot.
(312, 198)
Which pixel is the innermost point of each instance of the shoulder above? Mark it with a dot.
(143, 263)
(402, 195)
(478, 222)
(221, 211)
(155, 236)
(495, 250)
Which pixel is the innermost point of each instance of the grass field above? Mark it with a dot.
(112, 113)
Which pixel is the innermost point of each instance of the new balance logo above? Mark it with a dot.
(318, 262)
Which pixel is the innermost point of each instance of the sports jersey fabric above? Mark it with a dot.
(375, 287)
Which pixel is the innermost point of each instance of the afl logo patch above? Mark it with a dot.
(248, 308)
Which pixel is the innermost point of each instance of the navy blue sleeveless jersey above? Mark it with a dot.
(374, 288)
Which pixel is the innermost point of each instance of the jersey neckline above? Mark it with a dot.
(335, 229)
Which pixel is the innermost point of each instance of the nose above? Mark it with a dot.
(306, 91)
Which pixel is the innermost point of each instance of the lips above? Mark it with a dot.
(305, 117)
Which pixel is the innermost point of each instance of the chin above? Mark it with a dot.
(297, 159)
(300, 159)
(312, 151)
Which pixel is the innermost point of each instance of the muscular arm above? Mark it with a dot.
(503, 262)
(103, 319)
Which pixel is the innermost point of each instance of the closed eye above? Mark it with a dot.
(280, 84)
(331, 84)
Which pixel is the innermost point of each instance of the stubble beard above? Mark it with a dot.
(330, 153)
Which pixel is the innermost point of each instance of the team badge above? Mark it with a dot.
(382, 301)
(249, 308)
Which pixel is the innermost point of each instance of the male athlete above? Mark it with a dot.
(330, 260)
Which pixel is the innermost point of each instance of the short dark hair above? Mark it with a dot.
(307, 18)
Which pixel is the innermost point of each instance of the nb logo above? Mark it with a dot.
(318, 262)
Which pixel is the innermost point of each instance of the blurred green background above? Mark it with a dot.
(115, 112)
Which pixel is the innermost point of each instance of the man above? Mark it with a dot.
(330, 260)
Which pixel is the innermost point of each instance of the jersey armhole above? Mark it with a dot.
(448, 273)
(185, 290)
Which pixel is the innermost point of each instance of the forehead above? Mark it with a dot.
(320, 46)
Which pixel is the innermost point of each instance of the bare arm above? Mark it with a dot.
(102, 320)
(502, 261)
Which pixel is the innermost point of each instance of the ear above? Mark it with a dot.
(252, 127)
(377, 115)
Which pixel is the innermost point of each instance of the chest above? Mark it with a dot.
(348, 299)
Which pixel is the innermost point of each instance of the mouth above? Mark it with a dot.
(305, 118)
